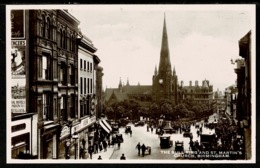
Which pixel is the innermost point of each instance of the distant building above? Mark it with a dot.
(198, 94)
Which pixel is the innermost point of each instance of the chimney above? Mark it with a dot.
(196, 83)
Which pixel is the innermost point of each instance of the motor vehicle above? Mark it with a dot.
(187, 134)
(127, 129)
(115, 127)
(139, 123)
(179, 146)
(165, 141)
(206, 140)
(119, 138)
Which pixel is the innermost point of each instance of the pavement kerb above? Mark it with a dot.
(112, 153)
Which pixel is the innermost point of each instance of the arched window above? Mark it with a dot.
(42, 26)
(48, 29)
(61, 38)
(64, 39)
(68, 43)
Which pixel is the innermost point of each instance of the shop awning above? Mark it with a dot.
(104, 127)
(107, 125)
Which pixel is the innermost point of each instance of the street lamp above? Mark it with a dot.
(75, 137)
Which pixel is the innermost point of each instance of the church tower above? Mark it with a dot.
(165, 80)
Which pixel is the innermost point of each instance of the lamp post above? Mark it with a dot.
(75, 137)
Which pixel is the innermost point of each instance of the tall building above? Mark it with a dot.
(56, 85)
(165, 79)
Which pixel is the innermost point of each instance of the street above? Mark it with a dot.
(140, 134)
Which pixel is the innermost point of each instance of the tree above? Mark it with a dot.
(154, 111)
(166, 110)
(109, 112)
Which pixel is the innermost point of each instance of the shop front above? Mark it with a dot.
(48, 141)
(21, 137)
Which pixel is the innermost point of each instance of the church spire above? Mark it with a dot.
(173, 71)
(165, 63)
(127, 82)
(155, 70)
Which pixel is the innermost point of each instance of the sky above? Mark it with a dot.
(202, 40)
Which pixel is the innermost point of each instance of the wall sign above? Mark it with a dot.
(17, 24)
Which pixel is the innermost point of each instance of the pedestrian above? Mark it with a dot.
(96, 147)
(147, 128)
(105, 145)
(118, 144)
(138, 146)
(90, 151)
(109, 142)
(151, 129)
(143, 149)
(122, 157)
(99, 157)
(130, 133)
(100, 146)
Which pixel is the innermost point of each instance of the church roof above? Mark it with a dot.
(127, 90)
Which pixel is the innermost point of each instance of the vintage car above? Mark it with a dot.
(115, 127)
(179, 146)
(187, 134)
(117, 138)
(206, 140)
(139, 123)
(165, 141)
(128, 129)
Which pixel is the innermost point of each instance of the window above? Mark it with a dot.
(48, 29)
(63, 104)
(85, 65)
(72, 105)
(63, 73)
(85, 86)
(81, 109)
(91, 86)
(72, 43)
(80, 63)
(88, 66)
(68, 43)
(46, 102)
(63, 39)
(81, 86)
(72, 76)
(45, 66)
(42, 26)
(88, 85)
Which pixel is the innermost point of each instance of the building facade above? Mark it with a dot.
(198, 94)
(56, 96)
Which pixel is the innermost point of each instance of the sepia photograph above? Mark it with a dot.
(122, 84)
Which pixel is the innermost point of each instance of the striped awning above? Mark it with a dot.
(105, 126)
